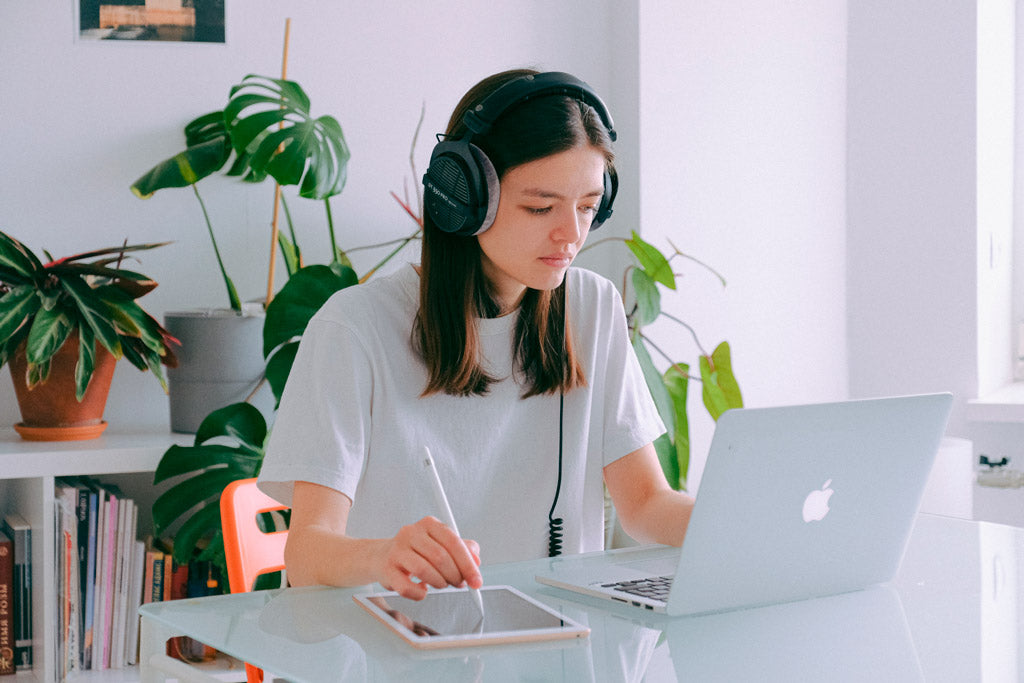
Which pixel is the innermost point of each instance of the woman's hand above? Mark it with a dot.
(428, 553)
(319, 552)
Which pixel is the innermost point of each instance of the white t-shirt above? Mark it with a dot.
(352, 419)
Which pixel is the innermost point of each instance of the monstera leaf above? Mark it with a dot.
(228, 446)
(268, 119)
(290, 312)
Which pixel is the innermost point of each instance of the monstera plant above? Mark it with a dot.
(268, 127)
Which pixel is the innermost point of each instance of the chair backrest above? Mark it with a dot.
(248, 550)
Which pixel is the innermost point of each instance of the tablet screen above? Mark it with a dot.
(453, 615)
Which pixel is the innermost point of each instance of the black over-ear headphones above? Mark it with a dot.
(461, 185)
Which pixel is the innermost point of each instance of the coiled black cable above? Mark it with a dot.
(556, 524)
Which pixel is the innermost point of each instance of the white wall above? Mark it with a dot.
(742, 166)
(82, 120)
(733, 136)
(912, 248)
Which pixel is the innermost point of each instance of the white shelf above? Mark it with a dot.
(1004, 405)
(111, 453)
(27, 472)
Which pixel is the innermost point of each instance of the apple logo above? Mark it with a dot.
(816, 503)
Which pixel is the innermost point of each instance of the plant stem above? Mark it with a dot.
(387, 258)
(232, 296)
(330, 230)
(403, 240)
(693, 332)
(647, 340)
(697, 261)
(291, 228)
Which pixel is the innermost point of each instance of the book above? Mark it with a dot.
(154, 575)
(105, 583)
(89, 600)
(126, 564)
(135, 601)
(19, 531)
(7, 663)
(102, 508)
(68, 578)
(116, 643)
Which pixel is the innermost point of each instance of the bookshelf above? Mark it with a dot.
(27, 474)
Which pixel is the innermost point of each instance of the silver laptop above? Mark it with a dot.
(795, 502)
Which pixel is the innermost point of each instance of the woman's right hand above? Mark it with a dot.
(428, 553)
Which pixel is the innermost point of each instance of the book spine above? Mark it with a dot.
(89, 613)
(102, 506)
(110, 549)
(18, 530)
(72, 577)
(135, 601)
(158, 577)
(7, 665)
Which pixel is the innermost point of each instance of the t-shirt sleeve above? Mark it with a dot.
(630, 417)
(321, 431)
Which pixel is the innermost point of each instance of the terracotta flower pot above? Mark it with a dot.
(50, 411)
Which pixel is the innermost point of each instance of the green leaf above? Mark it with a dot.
(19, 258)
(297, 302)
(95, 313)
(677, 379)
(48, 332)
(659, 392)
(721, 391)
(86, 360)
(648, 298)
(652, 261)
(269, 118)
(16, 307)
(205, 522)
(240, 421)
(178, 460)
(279, 367)
(185, 168)
(290, 253)
(666, 451)
(195, 491)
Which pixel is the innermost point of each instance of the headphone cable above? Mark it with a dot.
(555, 524)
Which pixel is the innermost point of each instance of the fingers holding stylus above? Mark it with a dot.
(430, 553)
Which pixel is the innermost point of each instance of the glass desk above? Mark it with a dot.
(952, 614)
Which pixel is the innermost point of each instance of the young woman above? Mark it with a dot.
(513, 368)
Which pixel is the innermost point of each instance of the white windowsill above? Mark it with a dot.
(1003, 405)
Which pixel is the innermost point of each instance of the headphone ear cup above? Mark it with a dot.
(604, 210)
(491, 188)
(460, 188)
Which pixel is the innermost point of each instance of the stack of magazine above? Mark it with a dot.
(99, 575)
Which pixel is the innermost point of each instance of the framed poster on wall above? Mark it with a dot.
(194, 21)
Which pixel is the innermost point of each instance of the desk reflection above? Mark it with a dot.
(852, 637)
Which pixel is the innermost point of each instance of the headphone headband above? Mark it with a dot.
(480, 118)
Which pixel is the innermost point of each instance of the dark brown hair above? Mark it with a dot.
(453, 288)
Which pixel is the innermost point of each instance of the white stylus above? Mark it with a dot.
(446, 510)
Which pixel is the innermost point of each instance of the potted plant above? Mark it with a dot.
(268, 127)
(63, 324)
(719, 388)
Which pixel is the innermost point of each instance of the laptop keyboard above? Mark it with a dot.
(654, 587)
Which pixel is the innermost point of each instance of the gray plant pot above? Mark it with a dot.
(220, 363)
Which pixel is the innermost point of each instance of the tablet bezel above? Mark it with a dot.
(570, 629)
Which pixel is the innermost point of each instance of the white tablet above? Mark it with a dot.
(451, 618)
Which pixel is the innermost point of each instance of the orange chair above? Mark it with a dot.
(248, 550)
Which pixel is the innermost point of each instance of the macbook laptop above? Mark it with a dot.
(795, 502)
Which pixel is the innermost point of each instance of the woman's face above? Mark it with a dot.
(544, 213)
